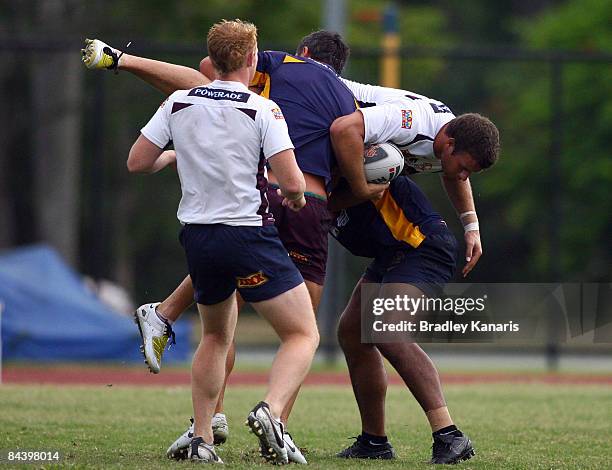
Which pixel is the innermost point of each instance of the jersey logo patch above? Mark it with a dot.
(252, 280)
(278, 114)
(406, 119)
(217, 94)
(299, 257)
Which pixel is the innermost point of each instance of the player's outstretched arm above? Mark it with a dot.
(347, 136)
(460, 194)
(164, 76)
(290, 179)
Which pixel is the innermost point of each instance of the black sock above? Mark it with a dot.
(371, 438)
(452, 429)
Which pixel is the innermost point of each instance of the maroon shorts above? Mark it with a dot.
(303, 233)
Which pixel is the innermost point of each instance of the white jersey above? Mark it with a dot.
(222, 135)
(409, 120)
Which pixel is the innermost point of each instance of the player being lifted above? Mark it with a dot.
(461, 198)
(224, 135)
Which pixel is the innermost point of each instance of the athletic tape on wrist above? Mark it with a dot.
(470, 227)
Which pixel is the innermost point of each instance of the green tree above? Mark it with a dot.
(522, 190)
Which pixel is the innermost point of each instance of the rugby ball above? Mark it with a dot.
(382, 163)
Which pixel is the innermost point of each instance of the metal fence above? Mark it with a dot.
(71, 130)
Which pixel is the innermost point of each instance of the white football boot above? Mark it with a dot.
(155, 334)
(270, 433)
(294, 454)
(178, 449)
(220, 428)
(199, 451)
(99, 55)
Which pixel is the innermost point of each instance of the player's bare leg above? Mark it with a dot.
(229, 361)
(421, 376)
(178, 301)
(208, 367)
(418, 372)
(182, 297)
(292, 317)
(229, 366)
(315, 292)
(366, 367)
(415, 367)
(293, 320)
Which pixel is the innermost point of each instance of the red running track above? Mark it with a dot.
(81, 375)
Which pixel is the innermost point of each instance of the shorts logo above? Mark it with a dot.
(252, 280)
(406, 119)
(278, 114)
(299, 257)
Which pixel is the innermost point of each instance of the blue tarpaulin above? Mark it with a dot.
(49, 315)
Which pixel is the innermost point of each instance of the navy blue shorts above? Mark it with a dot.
(427, 267)
(223, 258)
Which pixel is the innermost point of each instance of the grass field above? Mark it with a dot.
(512, 426)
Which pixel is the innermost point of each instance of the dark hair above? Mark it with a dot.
(476, 135)
(327, 47)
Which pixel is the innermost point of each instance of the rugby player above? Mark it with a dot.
(412, 247)
(414, 256)
(228, 232)
(432, 140)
